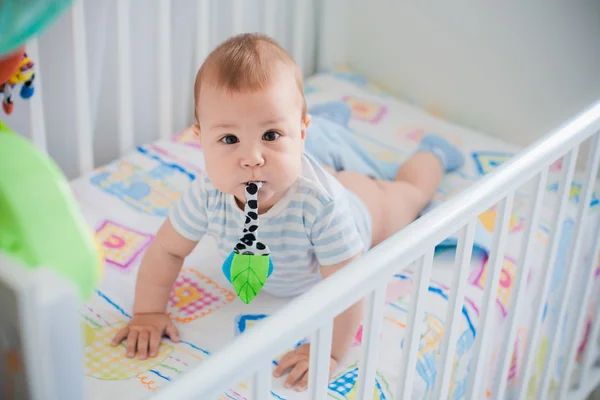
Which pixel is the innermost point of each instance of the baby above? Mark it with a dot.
(253, 123)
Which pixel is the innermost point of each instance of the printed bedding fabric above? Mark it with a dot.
(126, 201)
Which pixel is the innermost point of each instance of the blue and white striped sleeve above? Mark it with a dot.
(334, 234)
(188, 215)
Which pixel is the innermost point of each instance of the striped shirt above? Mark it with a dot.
(317, 223)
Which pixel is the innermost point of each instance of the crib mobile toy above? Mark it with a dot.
(22, 21)
(23, 74)
(40, 223)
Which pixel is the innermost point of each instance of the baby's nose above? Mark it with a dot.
(253, 161)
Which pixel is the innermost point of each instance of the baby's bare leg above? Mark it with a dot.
(395, 204)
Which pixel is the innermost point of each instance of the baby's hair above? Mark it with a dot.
(246, 62)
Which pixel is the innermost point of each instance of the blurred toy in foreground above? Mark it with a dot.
(23, 74)
(23, 20)
(10, 62)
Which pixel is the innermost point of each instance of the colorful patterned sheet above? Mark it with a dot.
(127, 200)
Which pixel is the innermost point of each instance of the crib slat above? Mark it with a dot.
(85, 150)
(475, 389)
(202, 31)
(370, 342)
(333, 17)
(261, 382)
(320, 356)
(269, 17)
(299, 31)
(525, 260)
(414, 327)
(591, 352)
(165, 95)
(203, 39)
(455, 304)
(37, 120)
(570, 160)
(126, 132)
(575, 262)
(238, 17)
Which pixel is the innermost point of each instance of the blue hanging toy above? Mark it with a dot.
(249, 264)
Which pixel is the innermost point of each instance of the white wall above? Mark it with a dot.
(56, 70)
(514, 69)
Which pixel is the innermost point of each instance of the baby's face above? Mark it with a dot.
(255, 136)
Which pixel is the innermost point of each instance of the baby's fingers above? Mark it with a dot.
(172, 332)
(131, 342)
(154, 342)
(142, 345)
(287, 361)
(303, 384)
(297, 373)
(122, 334)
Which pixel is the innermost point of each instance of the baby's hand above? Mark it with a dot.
(143, 333)
(298, 361)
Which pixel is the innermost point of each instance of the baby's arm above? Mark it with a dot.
(158, 271)
(346, 324)
(160, 267)
(337, 243)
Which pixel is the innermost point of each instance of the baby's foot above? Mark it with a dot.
(448, 154)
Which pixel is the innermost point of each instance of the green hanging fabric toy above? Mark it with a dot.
(249, 264)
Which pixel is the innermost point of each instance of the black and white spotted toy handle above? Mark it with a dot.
(248, 243)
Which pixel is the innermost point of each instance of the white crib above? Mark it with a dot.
(47, 316)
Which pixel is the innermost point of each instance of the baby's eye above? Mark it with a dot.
(229, 139)
(269, 136)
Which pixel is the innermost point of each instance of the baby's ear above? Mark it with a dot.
(305, 125)
(195, 129)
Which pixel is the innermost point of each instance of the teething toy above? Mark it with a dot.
(249, 264)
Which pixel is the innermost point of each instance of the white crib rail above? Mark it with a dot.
(374, 318)
(549, 262)
(475, 389)
(315, 311)
(203, 36)
(525, 259)
(36, 111)
(165, 95)
(269, 17)
(82, 91)
(586, 271)
(590, 355)
(126, 128)
(413, 326)
(320, 350)
(457, 296)
(572, 267)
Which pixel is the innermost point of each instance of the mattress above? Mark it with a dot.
(127, 200)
